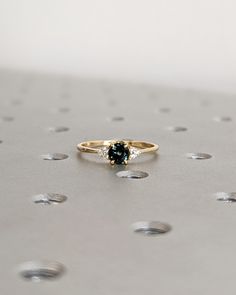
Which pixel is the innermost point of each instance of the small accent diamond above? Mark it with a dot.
(133, 153)
(103, 152)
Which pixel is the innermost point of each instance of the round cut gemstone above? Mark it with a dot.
(119, 153)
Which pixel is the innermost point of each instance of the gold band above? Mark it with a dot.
(94, 146)
(101, 147)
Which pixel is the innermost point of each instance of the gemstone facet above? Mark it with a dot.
(103, 152)
(119, 153)
(133, 153)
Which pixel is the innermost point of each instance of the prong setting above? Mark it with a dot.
(119, 152)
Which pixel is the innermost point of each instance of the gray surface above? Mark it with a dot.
(91, 233)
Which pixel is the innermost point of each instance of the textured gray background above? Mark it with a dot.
(91, 233)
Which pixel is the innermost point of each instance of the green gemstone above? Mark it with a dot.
(119, 153)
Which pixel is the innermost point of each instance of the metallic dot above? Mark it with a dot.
(49, 198)
(226, 197)
(37, 271)
(222, 119)
(55, 156)
(177, 129)
(151, 227)
(132, 174)
(59, 129)
(198, 156)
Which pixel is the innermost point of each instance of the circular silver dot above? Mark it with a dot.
(177, 128)
(49, 198)
(151, 227)
(55, 156)
(198, 156)
(37, 271)
(223, 119)
(134, 174)
(59, 129)
(226, 197)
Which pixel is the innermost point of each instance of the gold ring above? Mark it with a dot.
(117, 151)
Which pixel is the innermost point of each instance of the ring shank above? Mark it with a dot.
(94, 146)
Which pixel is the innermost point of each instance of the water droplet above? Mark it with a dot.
(226, 197)
(64, 110)
(37, 271)
(7, 118)
(132, 174)
(177, 128)
(164, 110)
(55, 156)
(49, 198)
(223, 119)
(59, 129)
(198, 156)
(151, 227)
(117, 119)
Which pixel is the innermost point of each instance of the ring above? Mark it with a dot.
(117, 151)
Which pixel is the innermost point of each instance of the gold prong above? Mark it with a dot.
(125, 162)
(112, 162)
